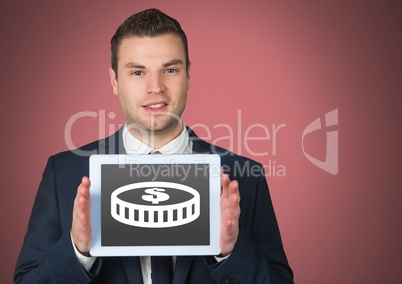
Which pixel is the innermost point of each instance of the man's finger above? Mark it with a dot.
(225, 182)
(83, 188)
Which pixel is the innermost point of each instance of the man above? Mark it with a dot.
(150, 74)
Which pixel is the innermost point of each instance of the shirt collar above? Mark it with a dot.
(180, 145)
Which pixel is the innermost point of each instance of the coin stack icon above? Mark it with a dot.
(155, 215)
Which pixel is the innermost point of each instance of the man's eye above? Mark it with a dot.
(137, 73)
(170, 70)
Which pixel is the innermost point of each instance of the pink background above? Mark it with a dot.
(272, 62)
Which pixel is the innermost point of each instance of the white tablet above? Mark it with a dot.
(155, 204)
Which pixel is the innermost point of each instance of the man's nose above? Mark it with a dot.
(155, 84)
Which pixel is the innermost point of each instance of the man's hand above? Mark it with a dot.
(81, 229)
(230, 212)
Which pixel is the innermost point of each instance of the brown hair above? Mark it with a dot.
(150, 23)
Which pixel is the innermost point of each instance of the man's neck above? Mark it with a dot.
(157, 139)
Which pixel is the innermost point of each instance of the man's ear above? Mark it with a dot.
(113, 81)
(188, 76)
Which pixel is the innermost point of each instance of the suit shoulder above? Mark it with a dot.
(107, 145)
(82, 152)
(237, 166)
(229, 157)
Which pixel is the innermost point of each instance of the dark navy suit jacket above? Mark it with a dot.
(47, 255)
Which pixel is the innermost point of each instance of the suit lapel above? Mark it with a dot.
(183, 264)
(113, 144)
(133, 271)
(199, 146)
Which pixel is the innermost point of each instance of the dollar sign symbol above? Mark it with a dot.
(155, 195)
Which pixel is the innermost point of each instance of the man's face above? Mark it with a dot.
(152, 83)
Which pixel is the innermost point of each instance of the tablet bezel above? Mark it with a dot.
(95, 165)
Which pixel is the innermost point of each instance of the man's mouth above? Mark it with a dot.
(155, 106)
